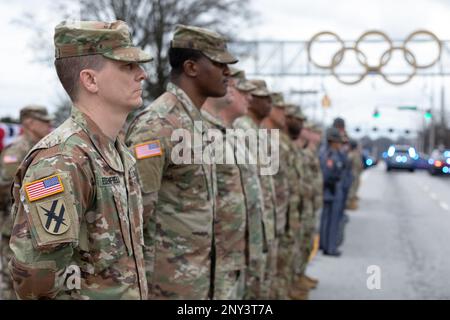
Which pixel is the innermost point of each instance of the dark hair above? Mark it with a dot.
(339, 123)
(68, 70)
(177, 57)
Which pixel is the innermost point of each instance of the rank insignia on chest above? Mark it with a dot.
(44, 188)
(148, 149)
(53, 216)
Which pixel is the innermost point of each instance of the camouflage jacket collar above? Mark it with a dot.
(249, 122)
(115, 154)
(216, 121)
(189, 107)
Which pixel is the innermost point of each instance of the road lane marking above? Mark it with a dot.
(433, 196)
(444, 206)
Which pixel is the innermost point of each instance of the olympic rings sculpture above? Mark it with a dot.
(361, 57)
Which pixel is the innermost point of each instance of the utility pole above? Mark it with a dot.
(443, 118)
(432, 127)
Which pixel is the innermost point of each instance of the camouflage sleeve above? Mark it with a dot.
(318, 195)
(151, 146)
(8, 166)
(55, 193)
(305, 187)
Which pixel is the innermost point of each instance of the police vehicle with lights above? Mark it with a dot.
(401, 157)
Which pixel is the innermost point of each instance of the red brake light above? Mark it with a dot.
(438, 163)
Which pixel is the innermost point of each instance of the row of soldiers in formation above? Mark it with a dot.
(113, 203)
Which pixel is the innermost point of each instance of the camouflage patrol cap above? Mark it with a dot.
(277, 99)
(261, 88)
(242, 83)
(210, 43)
(83, 38)
(316, 128)
(35, 112)
(295, 111)
(312, 127)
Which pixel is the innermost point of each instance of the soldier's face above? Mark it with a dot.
(120, 84)
(278, 117)
(39, 128)
(294, 127)
(239, 102)
(261, 106)
(212, 77)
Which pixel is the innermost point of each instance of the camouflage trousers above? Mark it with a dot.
(354, 188)
(305, 239)
(6, 286)
(229, 285)
(270, 269)
(254, 276)
(283, 279)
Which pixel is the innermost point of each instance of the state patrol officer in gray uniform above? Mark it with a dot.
(332, 168)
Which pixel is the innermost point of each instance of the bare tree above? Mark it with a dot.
(153, 21)
(63, 109)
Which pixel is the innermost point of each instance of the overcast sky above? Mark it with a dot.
(23, 82)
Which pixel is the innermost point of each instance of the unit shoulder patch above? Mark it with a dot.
(53, 216)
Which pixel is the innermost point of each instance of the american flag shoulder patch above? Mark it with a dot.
(148, 149)
(10, 159)
(44, 188)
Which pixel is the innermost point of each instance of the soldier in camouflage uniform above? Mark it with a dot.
(314, 139)
(179, 190)
(260, 108)
(355, 158)
(255, 244)
(294, 121)
(36, 124)
(230, 225)
(277, 120)
(313, 134)
(77, 204)
(311, 203)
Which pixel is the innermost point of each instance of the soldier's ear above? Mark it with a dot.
(190, 68)
(88, 80)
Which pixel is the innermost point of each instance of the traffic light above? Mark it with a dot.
(428, 114)
(376, 114)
